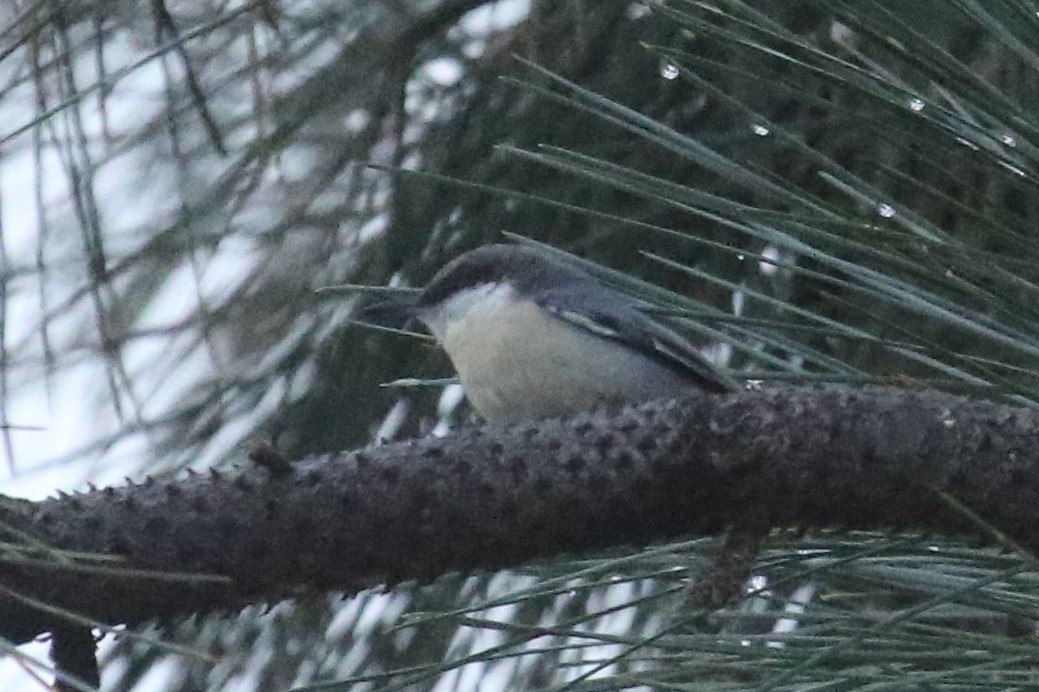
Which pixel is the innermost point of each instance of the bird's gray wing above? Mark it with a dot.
(601, 312)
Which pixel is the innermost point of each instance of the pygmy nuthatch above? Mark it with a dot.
(533, 338)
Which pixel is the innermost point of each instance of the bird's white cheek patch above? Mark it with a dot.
(448, 321)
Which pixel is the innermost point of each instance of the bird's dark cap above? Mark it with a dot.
(525, 268)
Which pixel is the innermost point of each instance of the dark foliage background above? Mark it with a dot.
(816, 189)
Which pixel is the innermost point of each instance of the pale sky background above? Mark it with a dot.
(73, 405)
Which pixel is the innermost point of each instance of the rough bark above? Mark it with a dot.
(490, 498)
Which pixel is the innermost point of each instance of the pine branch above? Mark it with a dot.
(807, 457)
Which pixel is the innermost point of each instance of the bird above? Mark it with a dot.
(533, 338)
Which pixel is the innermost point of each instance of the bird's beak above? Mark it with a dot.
(385, 304)
(396, 309)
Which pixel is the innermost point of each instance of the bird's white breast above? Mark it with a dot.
(516, 362)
